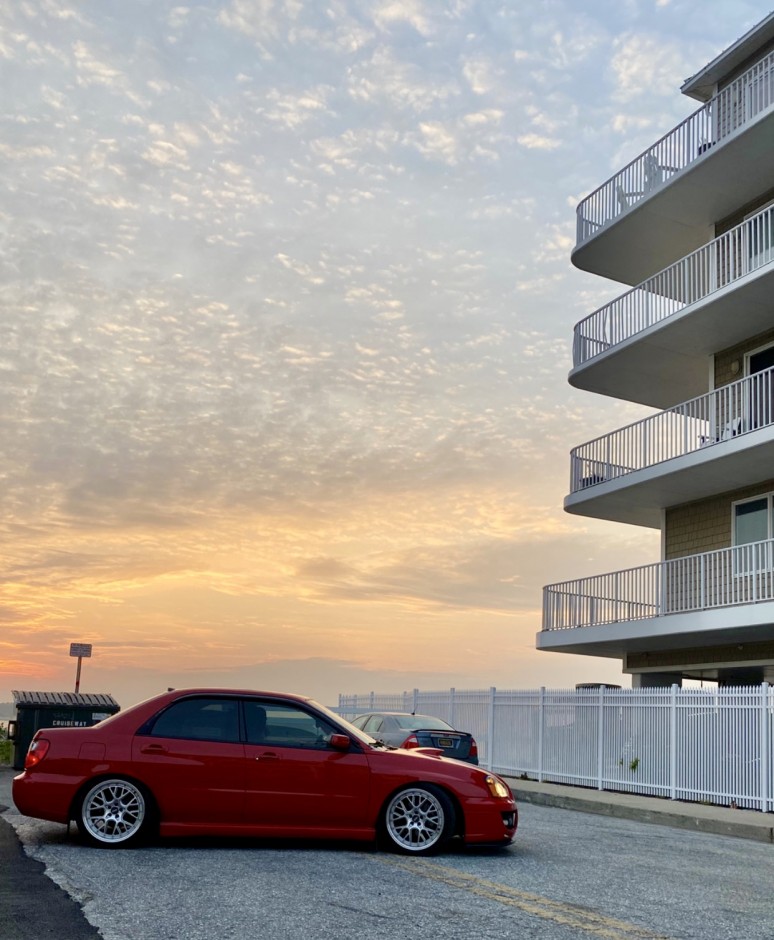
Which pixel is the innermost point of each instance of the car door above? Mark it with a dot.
(295, 779)
(192, 759)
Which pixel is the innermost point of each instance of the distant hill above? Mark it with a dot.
(7, 710)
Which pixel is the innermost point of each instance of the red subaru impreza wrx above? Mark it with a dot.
(244, 763)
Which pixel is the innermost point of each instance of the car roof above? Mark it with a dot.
(400, 715)
(173, 695)
(221, 691)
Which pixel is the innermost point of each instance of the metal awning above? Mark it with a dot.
(59, 699)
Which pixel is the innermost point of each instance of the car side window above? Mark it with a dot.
(285, 726)
(255, 722)
(199, 719)
(374, 723)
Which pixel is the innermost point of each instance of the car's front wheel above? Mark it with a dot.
(418, 820)
(114, 812)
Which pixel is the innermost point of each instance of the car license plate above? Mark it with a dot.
(445, 742)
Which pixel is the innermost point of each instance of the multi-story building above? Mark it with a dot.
(689, 224)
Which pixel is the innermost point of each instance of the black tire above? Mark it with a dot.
(114, 813)
(418, 820)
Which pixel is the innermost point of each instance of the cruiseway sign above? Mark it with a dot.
(82, 651)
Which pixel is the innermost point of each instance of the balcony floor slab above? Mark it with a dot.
(639, 497)
(745, 623)
(679, 216)
(669, 361)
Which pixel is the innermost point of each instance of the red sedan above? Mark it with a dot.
(227, 762)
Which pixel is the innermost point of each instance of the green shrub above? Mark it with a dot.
(6, 752)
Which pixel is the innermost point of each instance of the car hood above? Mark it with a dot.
(407, 760)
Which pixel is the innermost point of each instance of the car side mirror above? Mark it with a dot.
(340, 742)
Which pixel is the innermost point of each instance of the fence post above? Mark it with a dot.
(541, 722)
(764, 747)
(490, 722)
(414, 701)
(371, 702)
(452, 703)
(673, 742)
(600, 737)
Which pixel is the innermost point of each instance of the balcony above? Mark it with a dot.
(665, 203)
(685, 453)
(721, 597)
(651, 344)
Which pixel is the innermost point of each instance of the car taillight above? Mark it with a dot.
(37, 751)
(411, 741)
(473, 748)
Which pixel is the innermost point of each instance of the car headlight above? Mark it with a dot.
(497, 788)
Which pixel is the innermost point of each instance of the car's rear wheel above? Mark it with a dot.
(418, 820)
(114, 812)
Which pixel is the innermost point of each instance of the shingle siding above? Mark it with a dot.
(705, 526)
(739, 215)
(725, 359)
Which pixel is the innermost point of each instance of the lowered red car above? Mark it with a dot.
(226, 762)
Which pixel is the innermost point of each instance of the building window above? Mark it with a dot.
(752, 520)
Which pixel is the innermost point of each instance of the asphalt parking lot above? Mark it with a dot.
(31, 905)
(568, 875)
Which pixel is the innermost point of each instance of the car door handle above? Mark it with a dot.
(269, 755)
(153, 749)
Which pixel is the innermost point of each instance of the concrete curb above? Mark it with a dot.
(696, 817)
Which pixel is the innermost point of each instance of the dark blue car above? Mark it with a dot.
(401, 729)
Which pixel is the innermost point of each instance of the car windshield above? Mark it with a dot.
(350, 728)
(422, 722)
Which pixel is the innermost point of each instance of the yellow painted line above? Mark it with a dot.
(568, 915)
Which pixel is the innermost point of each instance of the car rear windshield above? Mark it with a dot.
(422, 722)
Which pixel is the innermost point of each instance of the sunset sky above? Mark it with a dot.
(286, 318)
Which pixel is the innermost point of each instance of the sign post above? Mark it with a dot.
(82, 651)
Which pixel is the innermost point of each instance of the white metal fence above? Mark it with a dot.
(728, 577)
(737, 105)
(701, 745)
(746, 248)
(718, 416)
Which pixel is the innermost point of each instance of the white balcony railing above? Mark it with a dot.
(740, 251)
(726, 578)
(723, 115)
(718, 416)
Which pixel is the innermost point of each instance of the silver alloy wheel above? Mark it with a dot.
(415, 819)
(113, 811)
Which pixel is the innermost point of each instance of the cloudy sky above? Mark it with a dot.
(286, 319)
